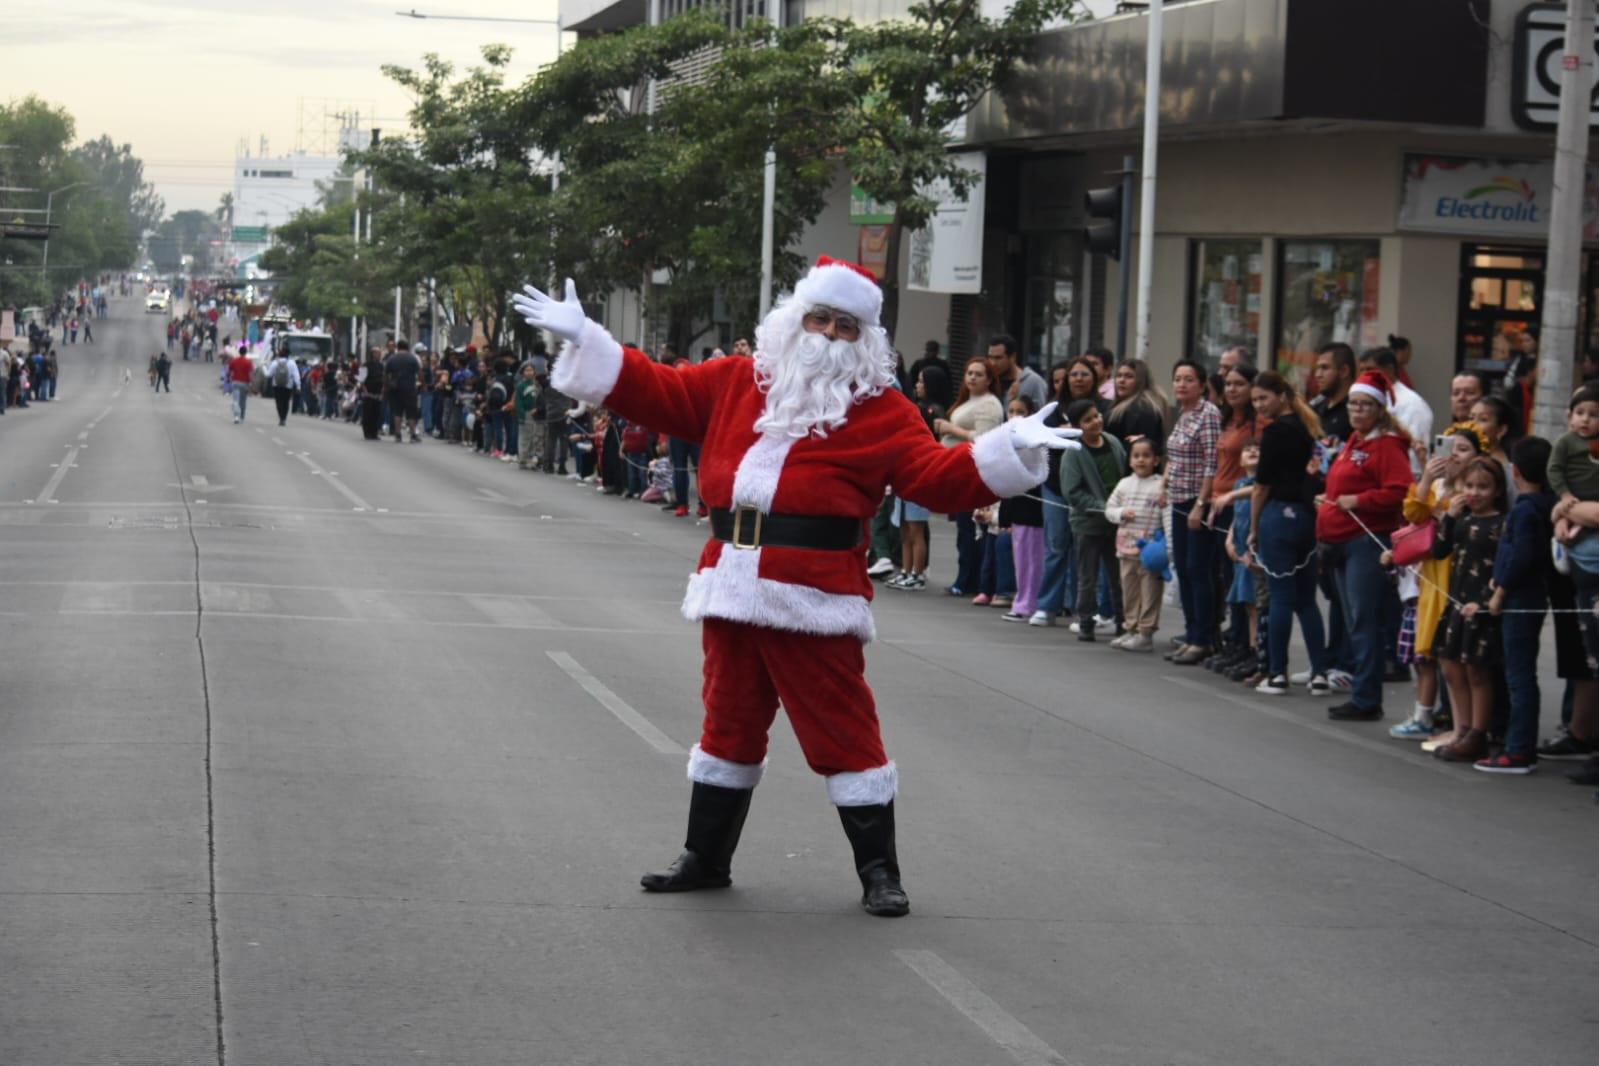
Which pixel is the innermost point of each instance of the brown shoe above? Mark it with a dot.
(1471, 746)
(1192, 654)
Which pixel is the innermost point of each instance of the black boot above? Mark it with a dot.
(871, 834)
(715, 820)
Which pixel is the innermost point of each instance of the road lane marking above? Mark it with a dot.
(54, 483)
(1000, 1025)
(616, 705)
(331, 479)
(199, 481)
(1405, 753)
(278, 441)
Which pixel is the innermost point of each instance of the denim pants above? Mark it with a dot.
(1057, 554)
(998, 577)
(241, 397)
(1520, 635)
(1194, 559)
(512, 431)
(1361, 585)
(1287, 536)
(638, 478)
(968, 555)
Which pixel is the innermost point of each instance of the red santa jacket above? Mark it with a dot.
(883, 442)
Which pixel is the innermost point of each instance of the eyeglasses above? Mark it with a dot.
(846, 326)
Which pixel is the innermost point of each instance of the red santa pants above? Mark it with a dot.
(821, 682)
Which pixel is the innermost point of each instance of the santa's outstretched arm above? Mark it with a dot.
(594, 368)
(1006, 461)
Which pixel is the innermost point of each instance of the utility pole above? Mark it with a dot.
(769, 205)
(1557, 341)
(1146, 202)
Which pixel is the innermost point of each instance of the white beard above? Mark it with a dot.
(809, 387)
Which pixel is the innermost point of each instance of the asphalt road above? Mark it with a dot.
(320, 751)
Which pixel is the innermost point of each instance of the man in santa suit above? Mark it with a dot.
(798, 445)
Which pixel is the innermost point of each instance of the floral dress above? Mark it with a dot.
(1471, 541)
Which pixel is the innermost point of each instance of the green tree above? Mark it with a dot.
(911, 81)
(680, 190)
(322, 272)
(463, 199)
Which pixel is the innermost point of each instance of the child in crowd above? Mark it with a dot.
(1086, 477)
(1574, 460)
(1243, 589)
(660, 475)
(1471, 647)
(1522, 568)
(1133, 506)
(1023, 514)
(996, 580)
(1427, 501)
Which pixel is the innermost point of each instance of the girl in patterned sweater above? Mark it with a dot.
(1134, 507)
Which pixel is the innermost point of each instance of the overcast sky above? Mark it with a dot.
(185, 81)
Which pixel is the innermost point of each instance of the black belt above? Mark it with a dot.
(747, 528)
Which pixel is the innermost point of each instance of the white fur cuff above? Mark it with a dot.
(588, 371)
(707, 769)
(864, 788)
(1006, 470)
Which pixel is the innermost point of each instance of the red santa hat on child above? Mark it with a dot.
(843, 287)
(1374, 383)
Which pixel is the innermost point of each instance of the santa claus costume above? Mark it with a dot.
(798, 445)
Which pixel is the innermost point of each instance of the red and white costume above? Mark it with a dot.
(787, 624)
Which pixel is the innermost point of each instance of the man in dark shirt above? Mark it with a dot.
(401, 371)
(1335, 372)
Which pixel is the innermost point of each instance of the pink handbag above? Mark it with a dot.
(1412, 544)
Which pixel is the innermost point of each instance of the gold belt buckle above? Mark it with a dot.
(738, 525)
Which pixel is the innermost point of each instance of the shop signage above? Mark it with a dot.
(1485, 197)
(1540, 56)
(947, 255)
(865, 211)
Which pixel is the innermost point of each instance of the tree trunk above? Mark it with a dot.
(891, 279)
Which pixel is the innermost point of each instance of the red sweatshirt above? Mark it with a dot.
(1376, 471)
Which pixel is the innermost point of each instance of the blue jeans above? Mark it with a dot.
(1287, 536)
(1361, 585)
(968, 554)
(637, 472)
(1194, 560)
(998, 577)
(511, 432)
(1057, 553)
(1520, 635)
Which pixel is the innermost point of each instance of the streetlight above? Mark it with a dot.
(44, 267)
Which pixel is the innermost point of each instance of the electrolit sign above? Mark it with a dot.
(1483, 197)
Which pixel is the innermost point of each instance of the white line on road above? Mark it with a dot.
(331, 480)
(616, 705)
(1403, 752)
(55, 479)
(278, 441)
(199, 481)
(1002, 1028)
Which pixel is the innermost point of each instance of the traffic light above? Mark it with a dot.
(1104, 228)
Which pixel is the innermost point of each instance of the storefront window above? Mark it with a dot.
(1326, 293)
(1225, 301)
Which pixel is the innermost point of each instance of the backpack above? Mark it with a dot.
(280, 373)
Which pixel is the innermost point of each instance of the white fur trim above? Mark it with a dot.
(733, 590)
(842, 289)
(1372, 391)
(1006, 470)
(755, 483)
(708, 769)
(864, 788)
(588, 370)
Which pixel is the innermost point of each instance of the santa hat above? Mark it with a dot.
(1374, 383)
(843, 287)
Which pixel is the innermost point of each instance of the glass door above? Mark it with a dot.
(1500, 292)
(1054, 329)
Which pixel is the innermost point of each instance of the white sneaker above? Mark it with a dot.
(1102, 620)
(1341, 680)
(1300, 678)
(1273, 686)
(1041, 618)
(1121, 641)
(883, 566)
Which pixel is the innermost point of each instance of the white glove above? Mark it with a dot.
(1030, 432)
(564, 318)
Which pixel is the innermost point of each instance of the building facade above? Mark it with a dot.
(1329, 170)
(267, 191)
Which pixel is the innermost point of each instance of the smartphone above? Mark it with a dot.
(1440, 445)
